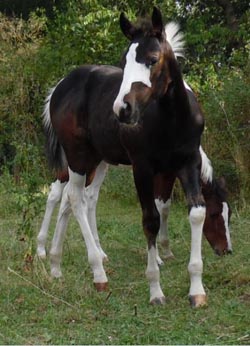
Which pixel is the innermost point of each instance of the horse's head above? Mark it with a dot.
(218, 213)
(146, 74)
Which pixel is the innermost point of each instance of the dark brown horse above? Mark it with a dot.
(142, 115)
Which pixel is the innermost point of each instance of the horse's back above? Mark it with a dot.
(75, 91)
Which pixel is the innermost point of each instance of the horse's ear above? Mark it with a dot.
(127, 27)
(157, 22)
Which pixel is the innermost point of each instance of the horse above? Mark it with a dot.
(141, 115)
(215, 228)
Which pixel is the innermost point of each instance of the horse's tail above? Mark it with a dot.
(175, 38)
(55, 153)
(206, 168)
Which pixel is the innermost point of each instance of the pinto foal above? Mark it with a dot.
(142, 115)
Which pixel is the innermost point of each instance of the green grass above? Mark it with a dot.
(38, 310)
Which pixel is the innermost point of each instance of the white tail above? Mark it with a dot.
(206, 167)
(46, 113)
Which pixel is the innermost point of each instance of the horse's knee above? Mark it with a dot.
(56, 191)
(91, 197)
(197, 215)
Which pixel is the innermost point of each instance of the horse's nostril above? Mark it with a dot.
(125, 113)
(217, 252)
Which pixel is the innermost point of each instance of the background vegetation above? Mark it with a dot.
(40, 42)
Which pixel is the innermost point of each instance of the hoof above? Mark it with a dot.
(56, 273)
(105, 258)
(159, 261)
(169, 257)
(41, 254)
(158, 301)
(101, 286)
(198, 300)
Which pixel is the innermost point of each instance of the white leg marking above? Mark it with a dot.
(153, 276)
(195, 267)
(54, 197)
(57, 241)
(225, 211)
(79, 207)
(133, 72)
(92, 194)
(163, 209)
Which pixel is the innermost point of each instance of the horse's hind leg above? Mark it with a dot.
(54, 197)
(57, 241)
(163, 185)
(92, 194)
(163, 237)
(78, 203)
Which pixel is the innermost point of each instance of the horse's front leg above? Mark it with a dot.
(151, 223)
(197, 212)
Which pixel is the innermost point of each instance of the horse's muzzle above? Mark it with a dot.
(223, 252)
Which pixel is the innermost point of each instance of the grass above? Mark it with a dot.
(38, 310)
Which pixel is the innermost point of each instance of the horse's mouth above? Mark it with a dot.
(223, 252)
(126, 116)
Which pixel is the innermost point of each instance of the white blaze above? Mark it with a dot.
(133, 72)
(225, 217)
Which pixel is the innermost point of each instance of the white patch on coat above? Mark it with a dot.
(225, 211)
(133, 72)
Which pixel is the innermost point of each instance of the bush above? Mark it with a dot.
(227, 135)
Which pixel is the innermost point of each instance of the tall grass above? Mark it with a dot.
(38, 310)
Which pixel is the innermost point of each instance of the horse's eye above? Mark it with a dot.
(152, 61)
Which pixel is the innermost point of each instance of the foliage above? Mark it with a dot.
(86, 33)
(227, 134)
(19, 89)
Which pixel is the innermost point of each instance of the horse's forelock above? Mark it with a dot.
(144, 28)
